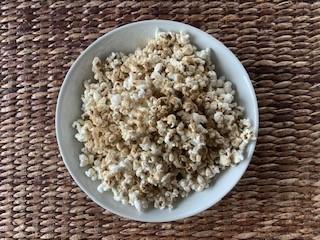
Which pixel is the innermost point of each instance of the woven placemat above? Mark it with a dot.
(279, 44)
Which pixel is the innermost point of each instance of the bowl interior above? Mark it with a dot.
(126, 39)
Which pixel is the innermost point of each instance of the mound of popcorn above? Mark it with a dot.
(158, 123)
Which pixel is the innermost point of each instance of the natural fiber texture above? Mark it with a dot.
(279, 44)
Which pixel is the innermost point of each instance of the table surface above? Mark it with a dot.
(277, 41)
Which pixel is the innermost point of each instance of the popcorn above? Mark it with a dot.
(159, 123)
(115, 100)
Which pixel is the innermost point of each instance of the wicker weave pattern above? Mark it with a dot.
(279, 44)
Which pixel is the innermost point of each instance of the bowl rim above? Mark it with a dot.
(58, 120)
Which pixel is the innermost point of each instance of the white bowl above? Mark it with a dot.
(126, 39)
